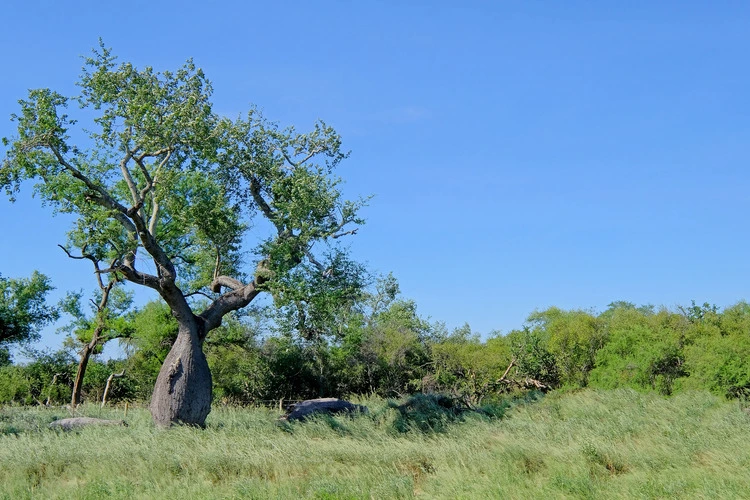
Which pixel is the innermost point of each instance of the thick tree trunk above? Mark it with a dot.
(78, 382)
(182, 394)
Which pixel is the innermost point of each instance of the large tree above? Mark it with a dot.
(180, 198)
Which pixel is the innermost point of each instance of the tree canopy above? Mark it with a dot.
(23, 309)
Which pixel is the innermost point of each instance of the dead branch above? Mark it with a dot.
(109, 382)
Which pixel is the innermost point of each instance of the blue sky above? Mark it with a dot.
(521, 154)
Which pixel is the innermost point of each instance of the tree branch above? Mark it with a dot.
(129, 179)
(310, 154)
(198, 292)
(104, 198)
(90, 257)
(134, 276)
(263, 205)
(339, 235)
(226, 282)
(230, 301)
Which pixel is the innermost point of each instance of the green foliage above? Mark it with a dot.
(717, 359)
(48, 377)
(466, 367)
(162, 174)
(23, 310)
(391, 349)
(532, 358)
(585, 444)
(573, 338)
(312, 303)
(154, 331)
(645, 350)
(427, 413)
(108, 320)
(5, 358)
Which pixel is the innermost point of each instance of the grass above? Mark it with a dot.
(586, 444)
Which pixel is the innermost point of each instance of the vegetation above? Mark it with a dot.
(23, 311)
(89, 333)
(586, 444)
(381, 346)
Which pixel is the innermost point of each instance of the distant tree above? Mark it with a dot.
(644, 348)
(573, 338)
(468, 368)
(23, 310)
(158, 172)
(717, 357)
(532, 357)
(45, 379)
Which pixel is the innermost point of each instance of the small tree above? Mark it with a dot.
(158, 172)
(90, 333)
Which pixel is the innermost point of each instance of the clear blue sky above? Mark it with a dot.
(522, 154)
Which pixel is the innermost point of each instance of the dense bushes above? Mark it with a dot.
(388, 350)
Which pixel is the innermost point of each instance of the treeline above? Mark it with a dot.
(384, 347)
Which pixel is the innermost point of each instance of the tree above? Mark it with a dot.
(90, 333)
(23, 310)
(158, 172)
(573, 338)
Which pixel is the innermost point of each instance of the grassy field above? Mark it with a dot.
(587, 444)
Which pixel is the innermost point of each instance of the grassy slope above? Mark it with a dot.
(589, 444)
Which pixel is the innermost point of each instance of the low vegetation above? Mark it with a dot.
(580, 444)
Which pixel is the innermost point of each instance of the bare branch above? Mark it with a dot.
(109, 382)
(310, 154)
(339, 235)
(153, 154)
(129, 178)
(314, 262)
(512, 362)
(90, 257)
(151, 181)
(227, 282)
(154, 217)
(288, 159)
(134, 276)
(217, 265)
(263, 205)
(77, 257)
(230, 301)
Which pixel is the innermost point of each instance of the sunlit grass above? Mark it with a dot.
(588, 444)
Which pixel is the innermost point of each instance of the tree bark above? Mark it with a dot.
(82, 363)
(182, 393)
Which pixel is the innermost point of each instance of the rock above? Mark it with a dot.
(67, 424)
(301, 411)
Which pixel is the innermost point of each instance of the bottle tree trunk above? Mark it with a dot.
(182, 394)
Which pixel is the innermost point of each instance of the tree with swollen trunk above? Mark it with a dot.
(185, 202)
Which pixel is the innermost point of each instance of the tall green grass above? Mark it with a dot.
(587, 444)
